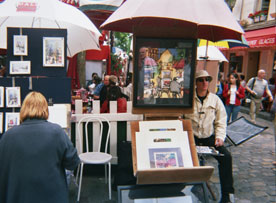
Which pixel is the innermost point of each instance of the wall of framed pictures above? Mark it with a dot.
(37, 52)
(36, 61)
(13, 91)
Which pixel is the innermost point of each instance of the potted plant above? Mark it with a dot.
(257, 15)
(251, 15)
(263, 15)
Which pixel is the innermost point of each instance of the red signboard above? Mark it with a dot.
(261, 38)
(26, 6)
(268, 41)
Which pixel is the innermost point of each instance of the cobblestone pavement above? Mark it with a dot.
(253, 170)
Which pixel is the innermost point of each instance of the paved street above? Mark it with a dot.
(254, 173)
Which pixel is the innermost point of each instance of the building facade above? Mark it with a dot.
(257, 17)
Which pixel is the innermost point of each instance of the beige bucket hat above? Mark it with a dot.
(203, 74)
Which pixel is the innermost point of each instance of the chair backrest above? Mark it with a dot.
(94, 120)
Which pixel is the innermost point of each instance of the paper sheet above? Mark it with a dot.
(166, 125)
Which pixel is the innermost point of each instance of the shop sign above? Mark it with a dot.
(26, 6)
(262, 41)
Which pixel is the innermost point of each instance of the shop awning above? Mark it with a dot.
(262, 37)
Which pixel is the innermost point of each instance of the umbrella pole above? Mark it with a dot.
(206, 55)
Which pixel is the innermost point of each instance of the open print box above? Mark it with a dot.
(196, 173)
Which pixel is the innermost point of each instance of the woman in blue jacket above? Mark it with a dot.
(34, 156)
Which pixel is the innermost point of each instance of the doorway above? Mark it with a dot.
(253, 64)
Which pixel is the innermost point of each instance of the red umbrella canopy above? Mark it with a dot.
(205, 19)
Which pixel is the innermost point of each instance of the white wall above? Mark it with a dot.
(272, 9)
(91, 67)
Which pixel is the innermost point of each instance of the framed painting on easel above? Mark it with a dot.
(161, 67)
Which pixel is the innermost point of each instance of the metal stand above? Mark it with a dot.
(155, 191)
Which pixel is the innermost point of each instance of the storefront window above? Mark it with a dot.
(265, 5)
(235, 63)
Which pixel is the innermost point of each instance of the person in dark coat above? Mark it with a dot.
(34, 156)
(114, 94)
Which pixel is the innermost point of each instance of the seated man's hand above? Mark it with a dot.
(219, 142)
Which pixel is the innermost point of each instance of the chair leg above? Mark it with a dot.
(79, 190)
(109, 180)
(105, 173)
(77, 174)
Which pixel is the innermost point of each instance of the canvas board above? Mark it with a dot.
(58, 115)
(1, 122)
(157, 126)
(163, 150)
(12, 119)
(1, 96)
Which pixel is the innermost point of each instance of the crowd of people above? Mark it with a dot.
(106, 91)
(235, 91)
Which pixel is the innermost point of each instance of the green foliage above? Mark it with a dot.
(122, 40)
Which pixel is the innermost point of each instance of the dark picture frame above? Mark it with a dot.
(242, 130)
(164, 71)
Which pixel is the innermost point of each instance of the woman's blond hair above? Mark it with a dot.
(34, 106)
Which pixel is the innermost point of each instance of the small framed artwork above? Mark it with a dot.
(165, 157)
(1, 96)
(20, 67)
(1, 122)
(12, 119)
(13, 97)
(53, 51)
(20, 45)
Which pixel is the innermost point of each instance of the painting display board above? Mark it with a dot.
(56, 89)
(45, 58)
(36, 61)
(242, 130)
(193, 173)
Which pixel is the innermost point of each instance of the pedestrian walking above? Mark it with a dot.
(233, 93)
(209, 128)
(256, 86)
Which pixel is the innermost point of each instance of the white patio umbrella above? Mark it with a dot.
(213, 53)
(81, 32)
(206, 19)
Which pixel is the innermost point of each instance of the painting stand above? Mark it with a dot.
(177, 175)
(193, 174)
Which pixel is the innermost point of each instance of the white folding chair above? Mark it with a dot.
(95, 156)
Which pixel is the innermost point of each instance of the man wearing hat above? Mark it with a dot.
(209, 128)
